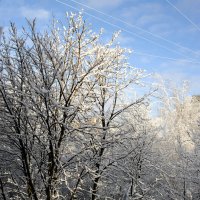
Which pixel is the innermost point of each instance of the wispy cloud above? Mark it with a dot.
(104, 3)
(149, 19)
(180, 65)
(37, 13)
(187, 12)
(178, 77)
(148, 16)
(141, 9)
(126, 40)
(162, 29)
(189, 7)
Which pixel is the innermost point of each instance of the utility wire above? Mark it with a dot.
(163, 57)
(137, 27)
(123, 29)
(182, 14)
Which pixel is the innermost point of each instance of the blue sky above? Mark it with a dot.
(162, 39)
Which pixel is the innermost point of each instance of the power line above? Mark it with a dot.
(139, 53)
(182, 14)
(137, 27)
(125, 30)
(163, 57)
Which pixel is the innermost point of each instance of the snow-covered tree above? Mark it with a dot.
(178, 121)
(62, 95)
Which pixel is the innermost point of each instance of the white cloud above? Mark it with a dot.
(146, 15)
(104, 3)
(162, 29)
(189, 7)
(182, 70)
(141, 9)
(125, 40)
(31, 13)
(149, 19)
